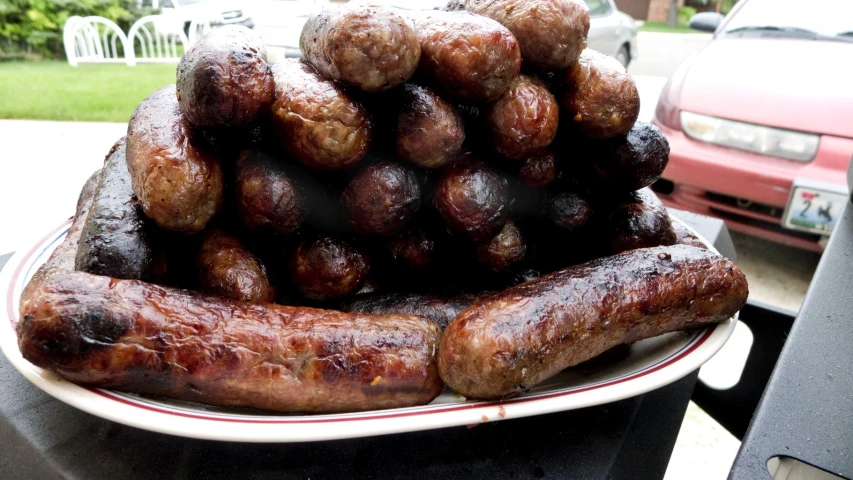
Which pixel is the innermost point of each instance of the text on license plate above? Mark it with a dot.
(814, 210)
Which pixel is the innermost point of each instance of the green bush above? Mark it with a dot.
(33, 28)
(684, 15)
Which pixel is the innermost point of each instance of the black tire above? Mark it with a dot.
(624, 55)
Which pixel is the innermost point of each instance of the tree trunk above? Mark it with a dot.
(719, 6)
(672, 20)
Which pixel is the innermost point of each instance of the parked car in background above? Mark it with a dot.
(217, 12)
(612, 32)
(760, 121)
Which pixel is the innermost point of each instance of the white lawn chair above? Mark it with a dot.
(198, 29)
(155, 39)
(94, 40)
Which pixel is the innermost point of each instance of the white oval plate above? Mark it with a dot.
(650, 364)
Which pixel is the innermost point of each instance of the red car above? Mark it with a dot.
(760, 121)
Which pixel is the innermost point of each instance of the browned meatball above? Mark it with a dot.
(640, 221)
(552, 33)
(570, 211)
(224, 79)
(600, 98)
(366, 45)
(179, 185)
(524, 119)
(414, 247)
(381, 199)
(472, 198)
(228, 269)
(328, 267)
(472, 58)
(429, 130)
(506, 249)
(630, 163)
(267, 198)
(540, 169)
(316, 121)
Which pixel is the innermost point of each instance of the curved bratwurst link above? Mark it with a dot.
(142, 338)
(315, 120)
(551, 33)
(471, 58)
(504, 344)
(178, 184)
(366, 45)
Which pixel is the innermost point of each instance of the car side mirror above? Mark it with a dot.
(706, 21)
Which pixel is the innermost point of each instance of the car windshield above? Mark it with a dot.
(816, 19)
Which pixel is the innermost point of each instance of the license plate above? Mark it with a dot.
(814, 207)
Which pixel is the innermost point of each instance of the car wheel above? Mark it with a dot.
(624, 56)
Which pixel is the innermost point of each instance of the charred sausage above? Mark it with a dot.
(685, 236)
(469, 57)
(325, 268)
(118, 240)
(506, 249)
(472, 198)
(268, 200)
(570, 211)
(228, 269)
(524, 119)
(639, 221)
(142, 338)
(438, 308)
(551, 33)
(600, 98)
(429, 130)
(540, 169)
(506, 343)
(316, 121)
(633, 162)
(381, 199)
(224, 79)
(179, 185)
(366, 45)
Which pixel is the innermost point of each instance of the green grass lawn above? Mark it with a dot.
(57, 91)
(663, 27)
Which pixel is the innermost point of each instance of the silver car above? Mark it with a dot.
(612, 32)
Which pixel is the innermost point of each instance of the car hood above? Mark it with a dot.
(796, 84)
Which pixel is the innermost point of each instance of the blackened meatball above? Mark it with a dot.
(228, 269)
(540, 169)
(524, 119)
(570, 211)
(506, 249)
(429, 130)
(640, 221)
(414, 247)
(630, 163)
(472, 198)
(268, 200)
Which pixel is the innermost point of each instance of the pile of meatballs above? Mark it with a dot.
(455, 151)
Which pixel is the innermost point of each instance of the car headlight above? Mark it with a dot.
(775, 142)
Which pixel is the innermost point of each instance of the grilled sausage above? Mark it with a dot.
(268, 200)
(178, 184)
(315, 120)
(524, 119)
(143, 338)
(551, 33)
(508, 342)
(570, 211)
(600, 98)
(639, 221)
(633, 162)
(685, 236)
(439, 308)
(506, 249)
(224, 79)
(366, 45)
(63, 258)
(469, 57)
(414, 247)
(325, 268)
(118, 240)
(472, 198)
(429, 130)
(540, 169)
(228, 269)
(381, 199)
